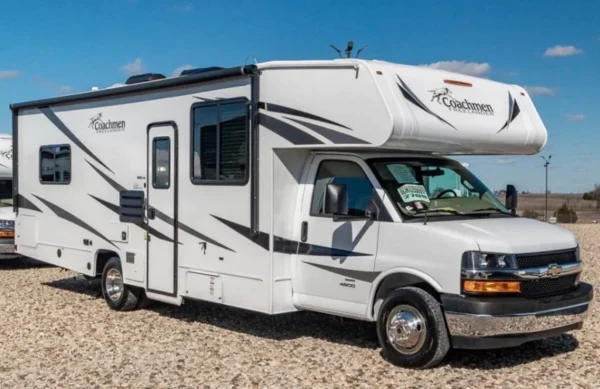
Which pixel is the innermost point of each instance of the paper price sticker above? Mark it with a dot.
(411, 193)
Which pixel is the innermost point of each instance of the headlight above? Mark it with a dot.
(7, 224)
(476, 260)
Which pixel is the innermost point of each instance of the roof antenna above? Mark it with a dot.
(359, 50)
(338, 50)
(253, 57)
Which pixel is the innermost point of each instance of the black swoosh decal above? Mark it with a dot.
(366, 276)
(169, 220)
(286, 246)
(410, 96)
(141, 224)
(513, 112)
(65, 215)
(22, 202)
(291, 111)
(159, 214)
(112, 182)
(334, 136)
(63, 128)
(287, 131)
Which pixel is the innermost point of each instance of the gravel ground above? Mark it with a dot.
(56, 331)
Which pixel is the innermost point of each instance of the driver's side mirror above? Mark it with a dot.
(336, 199)
(511, 198)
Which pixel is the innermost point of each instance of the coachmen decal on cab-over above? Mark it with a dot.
(444, 96)
(101, 126)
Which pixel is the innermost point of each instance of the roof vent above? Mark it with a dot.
(143, 78)
(199, 70)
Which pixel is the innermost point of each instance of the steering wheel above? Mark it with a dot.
(446, 191)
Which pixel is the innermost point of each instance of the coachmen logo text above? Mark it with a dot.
(103, 126)
(444, 96)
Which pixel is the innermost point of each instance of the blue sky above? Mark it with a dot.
(552, 48)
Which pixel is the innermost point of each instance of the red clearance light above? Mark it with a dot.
(522, 93)
(458, 83)
(379, 72)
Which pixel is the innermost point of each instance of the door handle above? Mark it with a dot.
(304, 231)
(151, 214)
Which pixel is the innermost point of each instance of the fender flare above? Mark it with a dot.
(397, 270)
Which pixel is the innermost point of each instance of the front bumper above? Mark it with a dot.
(497, 322)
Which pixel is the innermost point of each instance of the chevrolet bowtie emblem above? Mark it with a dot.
(554, 270)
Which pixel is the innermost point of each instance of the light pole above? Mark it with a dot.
(546, 163)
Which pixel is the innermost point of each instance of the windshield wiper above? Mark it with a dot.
(489, 209)
(448, 210)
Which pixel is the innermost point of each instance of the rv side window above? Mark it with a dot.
(55, 164)
(359, 187)
(161, 167)
(220, 143)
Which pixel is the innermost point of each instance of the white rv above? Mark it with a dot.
(302, 185)
(7, 215)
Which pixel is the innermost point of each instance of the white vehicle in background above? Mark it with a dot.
(302, 185)
(7, 215)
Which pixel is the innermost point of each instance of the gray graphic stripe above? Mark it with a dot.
(23, 202)
(65, 215)
(63, 128)
(513, 112)
(290, 133)
(169, 220)
(410, 96)
(112, 182)
(366, 276)
(142, 225)
(291, 111)
(332, 135)
(161, 215)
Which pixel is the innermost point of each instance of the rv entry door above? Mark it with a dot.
(161, 209)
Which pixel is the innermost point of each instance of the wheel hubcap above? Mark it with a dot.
(114, 284)
(406, 329)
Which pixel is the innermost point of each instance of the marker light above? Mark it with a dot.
(492, 286)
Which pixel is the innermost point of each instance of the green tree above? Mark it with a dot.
(565, 214)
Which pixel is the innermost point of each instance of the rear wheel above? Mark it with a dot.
(411, 329)
(117, 294)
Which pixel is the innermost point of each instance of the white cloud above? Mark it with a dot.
(178, 70)
(574, 117)
(135, 67)
(540, 90)
(64, 89)
(504, 161)
(562, 51)
(463, 67)
(9, 74)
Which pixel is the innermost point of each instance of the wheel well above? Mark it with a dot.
(102, 256)
(400, 280)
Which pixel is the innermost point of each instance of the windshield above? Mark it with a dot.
(434, 186)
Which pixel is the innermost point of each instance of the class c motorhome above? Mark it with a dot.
(302, 185)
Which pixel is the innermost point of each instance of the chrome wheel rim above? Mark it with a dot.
(406, 329)
(114, 284)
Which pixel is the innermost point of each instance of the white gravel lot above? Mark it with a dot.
(57, 331)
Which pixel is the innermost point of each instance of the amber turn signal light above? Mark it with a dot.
(492, 286)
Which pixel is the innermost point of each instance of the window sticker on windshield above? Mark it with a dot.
(402, 173)
(411, 193)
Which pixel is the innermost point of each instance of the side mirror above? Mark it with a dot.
(336, 199)
(511, 198)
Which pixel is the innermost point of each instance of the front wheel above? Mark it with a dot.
(117, 295)
(411, 329)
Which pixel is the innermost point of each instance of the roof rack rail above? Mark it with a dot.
(199, 70)
(143, 78)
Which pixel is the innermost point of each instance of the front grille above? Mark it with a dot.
(548, 286)
(544, 259)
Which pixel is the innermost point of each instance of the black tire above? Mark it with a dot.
(130, 296)
(433, 342)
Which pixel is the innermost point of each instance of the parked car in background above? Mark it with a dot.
(7, 215)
